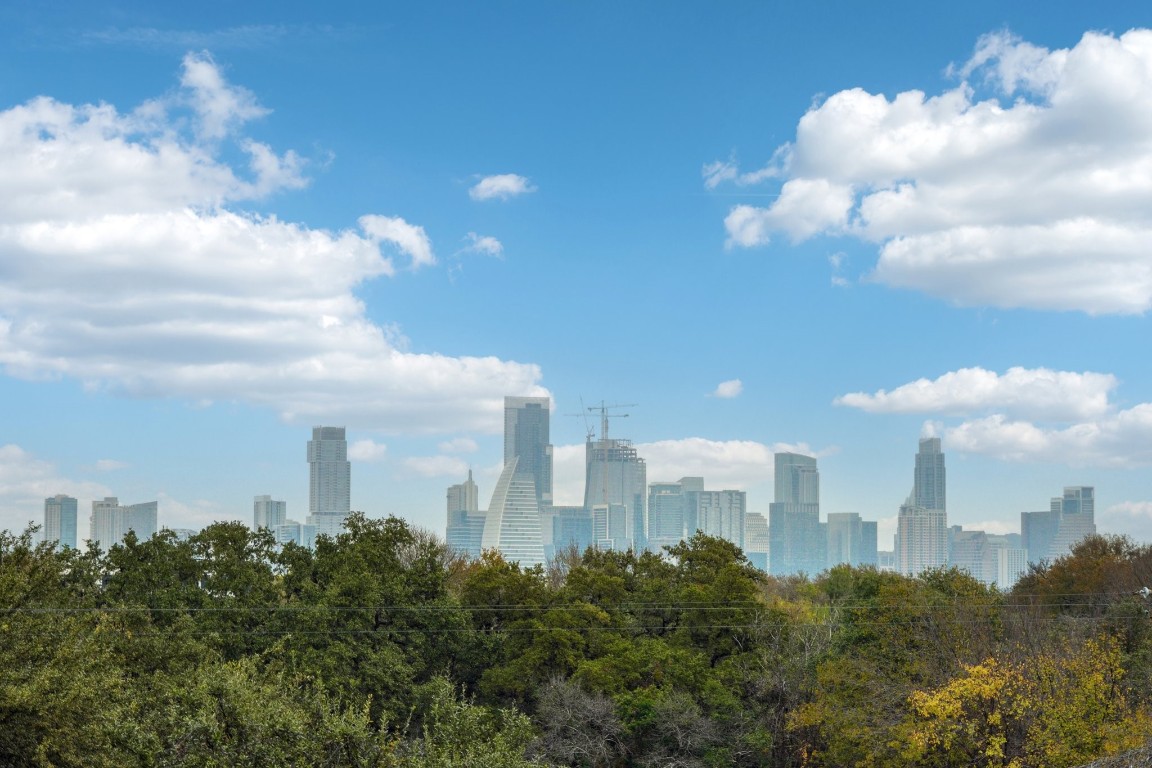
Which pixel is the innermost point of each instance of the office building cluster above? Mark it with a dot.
(623, 511)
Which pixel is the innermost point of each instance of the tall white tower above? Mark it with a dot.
(330, 480)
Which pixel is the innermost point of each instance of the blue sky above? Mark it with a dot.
(804, 226)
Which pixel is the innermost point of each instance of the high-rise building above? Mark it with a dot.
(526, 438)
(756, 540)
(111, 522)
(571, 529)
(512, 523)
(464, 497)
(797, 543)
(1077, 508)
(928, 487)
(616, 475)
(922, 526)
(666, 515)
(465, 530)
(851, 541)
(329, 480)
(60, 521)
(268, 512)
(721, 514)
(1038, 531)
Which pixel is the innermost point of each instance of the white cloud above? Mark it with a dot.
(124, 265)
(109, 465)
(437, 466)
(196, 514)
(458, 445)
(1037, 196)
(1032, 392)
(1133, 518)
(1026, 415)
(409, 238)
(25, 481)
(219, 106)
(728, 389)
(1123, 439)
(367, 451)
(485, 244)
(501, 187)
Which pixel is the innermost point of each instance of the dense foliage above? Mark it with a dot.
(380, 648)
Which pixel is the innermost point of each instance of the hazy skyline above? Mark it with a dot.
(772, 226)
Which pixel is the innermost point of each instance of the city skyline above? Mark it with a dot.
(223, 228)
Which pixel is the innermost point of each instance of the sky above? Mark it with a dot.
(757, 226)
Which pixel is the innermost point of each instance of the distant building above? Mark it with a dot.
(268, 512)
(721, 514)
(756, 540)
(181, 534)
(922, 525)
(667, 515)
(797, 543)
(526, 438)
(615, 476)
(111, 522)
(512, 524)
(329, 480)
(465, 529)
(571, 529)
(463, 496)
(1069, 520)
(301, 534)
(851, 541)
(465, 533)
(60, 520)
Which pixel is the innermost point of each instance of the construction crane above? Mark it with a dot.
(604, 415)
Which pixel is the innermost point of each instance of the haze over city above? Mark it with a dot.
(771, 228)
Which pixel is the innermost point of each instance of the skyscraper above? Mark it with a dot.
(60, 521)
(329, 480)
(615, 475)
(465, 530)
(922, 526)
(111, 522)
(1077, 510)
(268, 513)
(463, 497)
(526, 437)
(850, 540)
(666, 515)
(796, 542)
(721, 514)
(512, 523)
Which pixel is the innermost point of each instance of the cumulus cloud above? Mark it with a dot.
(437, 466)
(1036, 194)
(1031, 415)
(728, 389)
(458, 445)
(25, 481)
(501, 187)
(126, 264)
(367, 451)
(485, 244)
(410, 239)
(1032, 392)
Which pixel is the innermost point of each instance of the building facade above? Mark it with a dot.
(922, 525)
(329, 480)
(512, 523)
(60, 513)
(110, 522)
(527, 438)
(268, 512)
(615, 475)
(796, 541)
